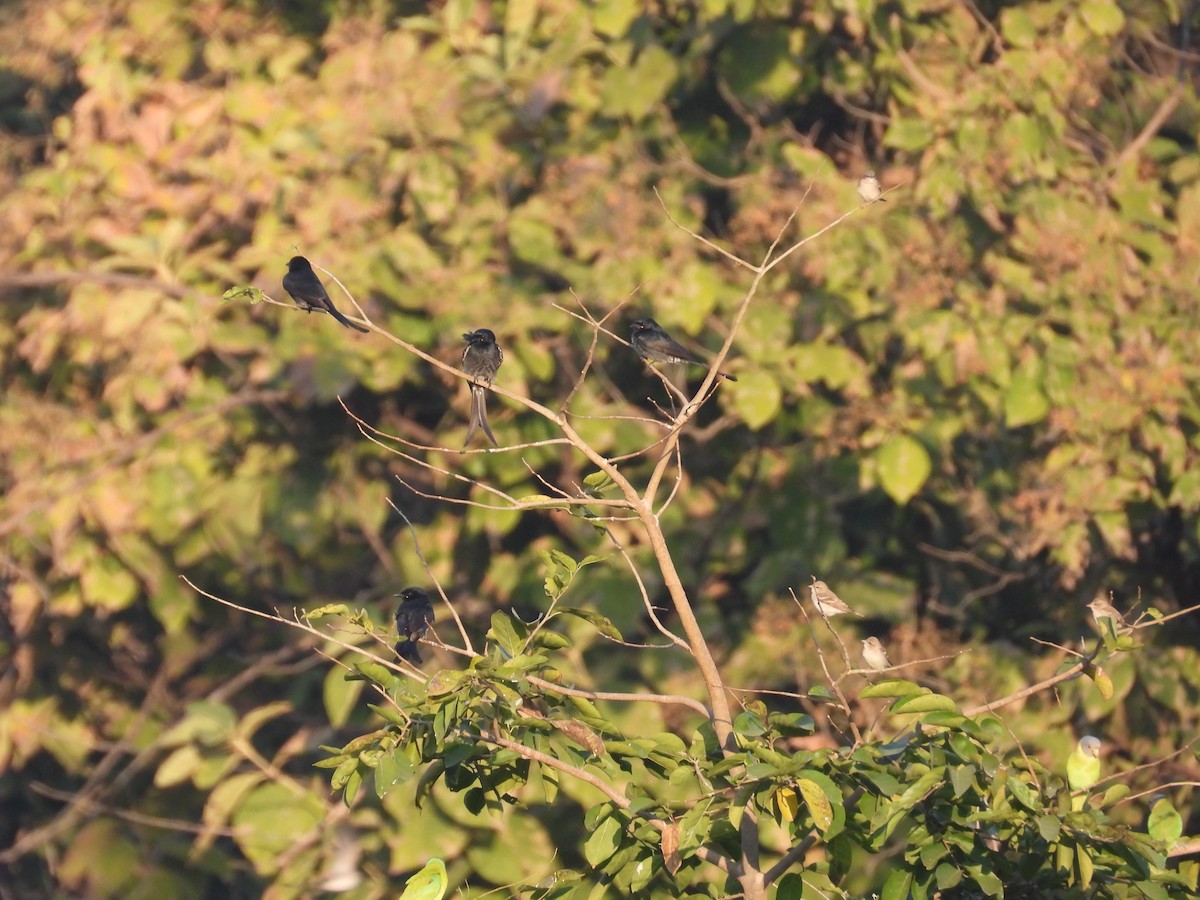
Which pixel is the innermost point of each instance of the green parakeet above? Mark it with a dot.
(428, 884)
(1164, 824)
(1083, 768)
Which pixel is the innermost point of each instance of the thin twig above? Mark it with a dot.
(366, 320)
(297, 624)
(136, 818)
(619, 697)
(732, 257)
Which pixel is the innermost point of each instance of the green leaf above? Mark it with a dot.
(207, 722)
(986, 879)
(947, 876)
(791, 887)
(392, 769)
(342, 773)
(898, 886)
(920, 788)
(923, 703)
(177, 767)
(894, 687)
(904, 466)
(1114, 794)
(748, 725)
(601, 623)
(603, 842)
(612, 18)
(1018, 27)
(341, 696)
(962, 778)
(446, 682)
(552, 640)
(599, 483)
(792, 724)
(694, 828)
(756, 397)
(504, 633)
(908, 134)
(329, 609)
(375, 672)
(107, 584)
(1025, 402)
(760, 771)
(639, 872)
(1049, 827)
(249, 724)
(1022, 793)
(759, 63)
(634, 91)
(1102, 17)
(271, 819)
(251, 293)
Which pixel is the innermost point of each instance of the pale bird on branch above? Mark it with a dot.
(828, 603)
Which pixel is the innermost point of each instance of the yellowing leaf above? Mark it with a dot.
(789, 803)
(818, 804)
(1103, 18)
(1103, 683)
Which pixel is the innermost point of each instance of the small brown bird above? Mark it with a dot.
(828, 603)
(1102, 609)
(874, 655)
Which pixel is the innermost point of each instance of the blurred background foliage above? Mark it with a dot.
(971, 409)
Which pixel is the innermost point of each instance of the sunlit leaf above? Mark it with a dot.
(904, 466)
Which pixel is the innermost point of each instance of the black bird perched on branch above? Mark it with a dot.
(652, 343)
(414, 615)
(481, 360)
(302, 283)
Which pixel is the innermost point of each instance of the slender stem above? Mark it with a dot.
(664, 699)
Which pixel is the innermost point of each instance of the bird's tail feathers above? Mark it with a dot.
(479, 417)
(407, 649)
(337, 315)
